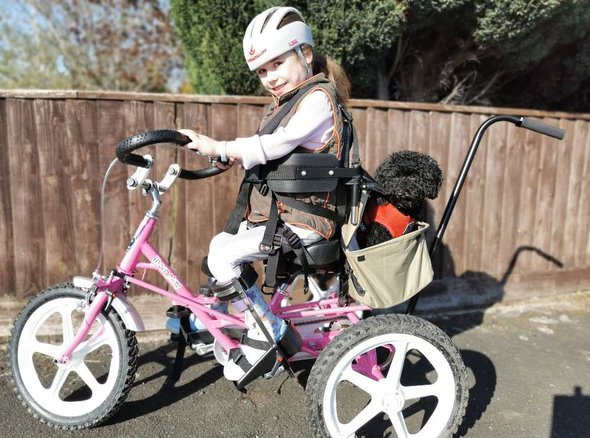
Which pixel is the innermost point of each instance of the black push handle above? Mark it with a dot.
(125, 148)
(520, 121)
(542, 128)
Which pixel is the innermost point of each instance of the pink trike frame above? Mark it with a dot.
(200, 305)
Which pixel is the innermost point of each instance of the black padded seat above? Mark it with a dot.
(322, 253)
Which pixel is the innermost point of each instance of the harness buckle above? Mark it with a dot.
(266, 249)
(263, 189)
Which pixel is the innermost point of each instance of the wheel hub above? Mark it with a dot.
(393, 401)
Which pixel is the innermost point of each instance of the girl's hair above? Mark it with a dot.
(324, 64)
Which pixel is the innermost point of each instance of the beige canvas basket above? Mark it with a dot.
(389, 273)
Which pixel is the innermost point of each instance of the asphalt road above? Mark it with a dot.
(529, 366)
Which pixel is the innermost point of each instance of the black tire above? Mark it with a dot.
(335, 406)
(100, 373)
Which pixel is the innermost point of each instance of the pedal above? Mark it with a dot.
(200, 337)
(202, 349)
(177, 311)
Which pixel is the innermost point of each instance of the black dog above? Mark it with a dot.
(407, 179)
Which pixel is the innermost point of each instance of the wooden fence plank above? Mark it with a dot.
(460, 135)
(183, 189)
(199, 222)
(439, 140)
(111, 130)
(511, 203)
(376, 139)
(558, 247)
(574, 194)
(474, 189)
(548, 151)
(7, 272)
(55, 168)
(418, 131)
(583, 208)
(249, 117)
(86, 179)
(25, 183)
(360, 126)
(525, 220)
(396, 140)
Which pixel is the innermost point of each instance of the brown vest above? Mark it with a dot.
(259, 205)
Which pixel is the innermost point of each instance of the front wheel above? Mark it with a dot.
(89, 388)
(389, 375)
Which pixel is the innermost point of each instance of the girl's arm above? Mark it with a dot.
(311, 127)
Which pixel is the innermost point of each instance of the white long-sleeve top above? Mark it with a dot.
(311, 127)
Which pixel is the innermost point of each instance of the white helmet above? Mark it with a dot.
(263, 40)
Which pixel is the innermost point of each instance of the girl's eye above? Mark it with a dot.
(261, 71)
(276, 64)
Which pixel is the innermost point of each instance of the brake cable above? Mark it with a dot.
(99, 265)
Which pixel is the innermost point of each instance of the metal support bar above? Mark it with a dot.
(442, 227)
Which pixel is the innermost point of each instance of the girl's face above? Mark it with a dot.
(284, 73)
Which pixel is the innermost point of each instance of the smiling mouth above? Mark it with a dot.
(278, 88)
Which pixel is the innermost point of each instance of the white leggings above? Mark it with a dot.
(228, 251)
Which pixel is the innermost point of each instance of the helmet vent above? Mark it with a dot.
(267, 19)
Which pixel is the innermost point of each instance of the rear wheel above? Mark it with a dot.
(93, 384)
(389, 375)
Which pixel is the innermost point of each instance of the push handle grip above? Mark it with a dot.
(542, 128)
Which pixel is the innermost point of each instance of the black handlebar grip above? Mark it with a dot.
(126, 147)
(200, 174)
(542, 128)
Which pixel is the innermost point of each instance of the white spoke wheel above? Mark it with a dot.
(88, 389)
(389, 375)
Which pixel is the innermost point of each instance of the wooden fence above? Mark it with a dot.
(523, 209)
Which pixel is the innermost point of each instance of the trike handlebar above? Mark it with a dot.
(125, 148)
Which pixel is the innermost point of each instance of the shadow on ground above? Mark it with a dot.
(170, 392)
(570, 414)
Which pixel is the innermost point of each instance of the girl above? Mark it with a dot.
(278, 46)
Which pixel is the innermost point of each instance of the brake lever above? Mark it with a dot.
(212, 160)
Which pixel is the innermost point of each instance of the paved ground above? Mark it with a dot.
(529, 367)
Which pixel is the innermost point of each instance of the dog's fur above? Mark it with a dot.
(408, 178)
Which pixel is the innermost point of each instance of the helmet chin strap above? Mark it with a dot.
(304, 62)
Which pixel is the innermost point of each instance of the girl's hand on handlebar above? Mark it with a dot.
(223, 166)
(202, 143)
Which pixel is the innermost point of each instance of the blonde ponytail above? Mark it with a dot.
(337, 75)
(333, 71)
